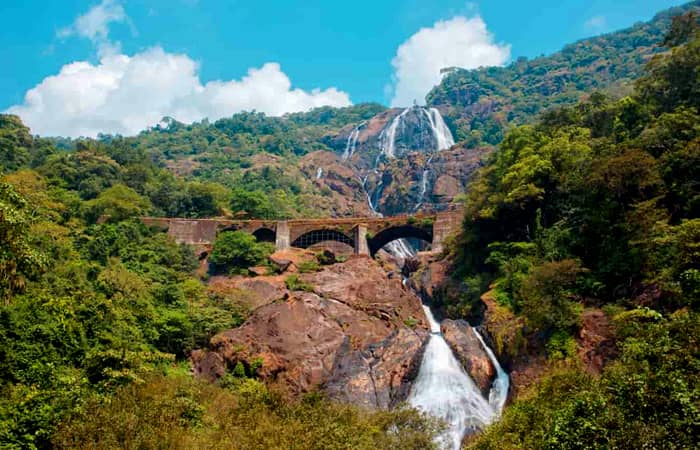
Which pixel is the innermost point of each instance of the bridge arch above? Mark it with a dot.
(264, 234)
(398, 232)
(312, 237)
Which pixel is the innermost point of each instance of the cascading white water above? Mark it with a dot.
(319, 173)
(351, 145)
(399, 248)
(444, 390)
(442, 133)
(499, 388)
(388, 136)
(402, 249)
(423, 184)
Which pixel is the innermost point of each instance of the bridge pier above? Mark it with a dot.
(445, 224)
(282, 236)
(360, 235)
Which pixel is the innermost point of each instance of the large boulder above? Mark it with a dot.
(359, 336)
(462, 339)
(250, 292)
(379, 375)
(362, 284)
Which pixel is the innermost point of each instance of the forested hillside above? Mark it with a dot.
(481, 104)
(598, 205)
(98, 314)
(589, 209)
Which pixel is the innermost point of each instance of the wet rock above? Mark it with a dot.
(460, 336)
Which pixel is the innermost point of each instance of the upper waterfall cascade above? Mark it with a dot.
(431, 119)
(351, 144)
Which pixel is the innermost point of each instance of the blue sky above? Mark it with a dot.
(321, 45)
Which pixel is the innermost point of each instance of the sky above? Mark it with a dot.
(81, 67)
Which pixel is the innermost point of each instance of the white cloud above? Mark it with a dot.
(461, 42)
(94, 25)
(596, 23)
(125, 94)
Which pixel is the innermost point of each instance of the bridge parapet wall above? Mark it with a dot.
(203, 231)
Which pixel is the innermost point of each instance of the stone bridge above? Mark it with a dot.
(366, 235)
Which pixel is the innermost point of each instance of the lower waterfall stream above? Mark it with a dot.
(444, 390)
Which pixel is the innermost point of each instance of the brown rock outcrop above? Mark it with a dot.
(251, 292)
(379, 375)
(460, 336)
(350, 337)
(361, 284)
(596, 340)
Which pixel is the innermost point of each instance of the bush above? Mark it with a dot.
(561, 345)
(293, 283)
(548, 300)
(235, 251)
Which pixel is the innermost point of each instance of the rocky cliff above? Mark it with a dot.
(399, 161)
(352, 332)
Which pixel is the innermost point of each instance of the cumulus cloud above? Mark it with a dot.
(94, 25)
(458, 42)
(125, 94)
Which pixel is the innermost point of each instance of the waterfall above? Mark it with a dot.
(444, 390)
(499, 388)
(400, 248)
(443, 136)
(423, 184)
(388, 141)
(319, 173)
(351, 144)
(441, 133)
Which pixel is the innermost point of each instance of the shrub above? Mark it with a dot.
(309, 266)
(293, 283)
(235, 251)
(561, 345)
(548, 299)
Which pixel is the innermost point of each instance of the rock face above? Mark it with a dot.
(415, 177)
(596, 340)
(349, 337)
(379, 375)
(460, 336)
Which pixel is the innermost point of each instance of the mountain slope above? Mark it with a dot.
(480, 104)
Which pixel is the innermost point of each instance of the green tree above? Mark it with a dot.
(238, 250)
(253, 204)
(549, 302)
(15, 143)
(117, 203)
(17, 257)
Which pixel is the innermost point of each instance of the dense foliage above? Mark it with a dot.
(99, 312)
(594, 205)
(649, 398)
(236, 251)
(480, 105)
(177, 412)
